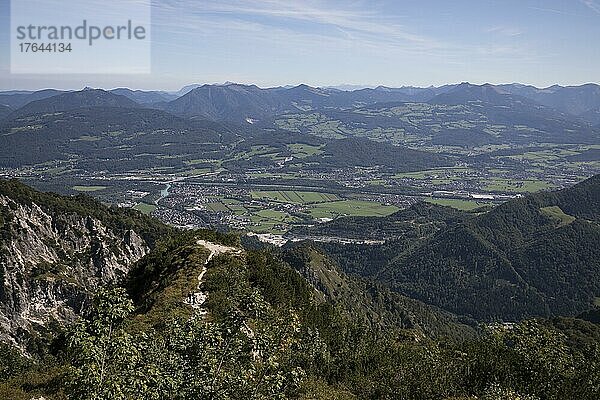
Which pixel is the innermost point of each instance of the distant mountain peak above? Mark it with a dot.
(74, 100)
(468, 92)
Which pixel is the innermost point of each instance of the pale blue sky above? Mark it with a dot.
(388, 42)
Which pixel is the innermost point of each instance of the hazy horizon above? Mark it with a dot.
(341, 86)
(333, 43)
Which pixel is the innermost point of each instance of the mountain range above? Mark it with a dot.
(96, 127)
(236, 102)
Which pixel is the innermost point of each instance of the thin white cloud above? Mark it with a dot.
(546, 9)
(352, 21)
(349, 26)
(592, 5)
(509, 31)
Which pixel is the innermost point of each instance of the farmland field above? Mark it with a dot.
(145, 208)
(517, 186)
(287, 196)
(351, 208)
(88, 188)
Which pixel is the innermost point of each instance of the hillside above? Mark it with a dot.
(592, 116)
(75, 100)
(504, 108)
(226, 103)
(466, 116)
(373, 304)
(466, 93)
(532, 256)
(414, 222)
(367, 153)
(18, 99)
(4, 111)
(575, 100)
(143, 96)
(103, 138)
(204, 317)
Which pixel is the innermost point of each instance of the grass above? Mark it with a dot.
(256, 151)
(217, 207)
(271, 221)
(289, 196)
(261, 225)
(558, 215)
(301, 150)
(514, 186)
(465, 205)
(88, 138)
(145, 208)
(56, 171)
(88, 188)
(351, 208)
(167, 302)
(194, 162)
(272, 215)
(447, 173)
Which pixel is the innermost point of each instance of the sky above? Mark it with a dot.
(372, 42)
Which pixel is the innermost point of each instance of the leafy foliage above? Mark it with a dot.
(290, 324)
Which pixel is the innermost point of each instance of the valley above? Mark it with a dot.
(272, 199)
(300, 200)
(340, 154)
(318, 243)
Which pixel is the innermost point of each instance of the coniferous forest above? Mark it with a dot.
(292, 323)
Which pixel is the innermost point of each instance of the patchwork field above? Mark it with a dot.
(294, 196)
(358, 208)
(145, 208)
(88, 188)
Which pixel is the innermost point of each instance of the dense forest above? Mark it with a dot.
(533, 256)
(295, 323)
(269, 335)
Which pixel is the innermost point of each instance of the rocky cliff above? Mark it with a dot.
(51, 260)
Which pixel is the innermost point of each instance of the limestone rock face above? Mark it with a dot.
(50, 264)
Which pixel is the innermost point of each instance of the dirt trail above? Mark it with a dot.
(197, 299)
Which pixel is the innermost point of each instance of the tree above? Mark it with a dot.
(107, 361)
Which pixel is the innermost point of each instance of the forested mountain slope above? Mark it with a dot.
(532, 256)
(269, 324)
(98, 136)
(20, 98)
(537, 255)
(74, 100)
(4, 111)
(374, 304)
